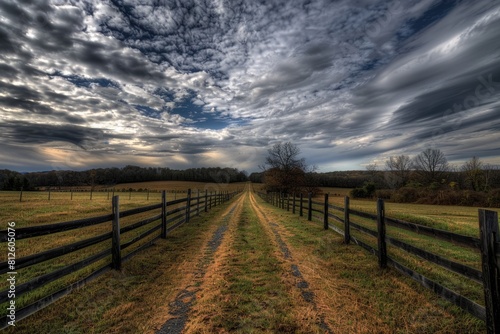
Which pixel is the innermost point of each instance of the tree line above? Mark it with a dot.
(428, 178)
(11, 180)
(425, 178)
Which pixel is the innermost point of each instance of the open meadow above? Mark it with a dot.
(249, 267)
(41, 208)
(37, 209)
(44, 207)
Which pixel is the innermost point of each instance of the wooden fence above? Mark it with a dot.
(171, 214)
(80, 194)
(488, 245)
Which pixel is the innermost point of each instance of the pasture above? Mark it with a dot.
(37, 209)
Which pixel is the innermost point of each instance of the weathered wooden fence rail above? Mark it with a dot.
(488, 245)
(172, 214)
(88, 194)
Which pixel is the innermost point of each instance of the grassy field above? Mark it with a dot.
(250, 287)
(37, 209)
(133, 300)
(456, 219)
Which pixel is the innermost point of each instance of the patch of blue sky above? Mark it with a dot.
(165, 94)
(430, 16)
(148, 111)
(202, 118)
(80, 81)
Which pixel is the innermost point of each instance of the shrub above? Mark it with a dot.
(386, 194)
(406, 195)
(494, 198)
(367, 191)
(358, 193)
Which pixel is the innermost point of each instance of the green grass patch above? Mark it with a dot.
(254, 299)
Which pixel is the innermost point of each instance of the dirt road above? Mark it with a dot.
(266, 271)
(246, 281)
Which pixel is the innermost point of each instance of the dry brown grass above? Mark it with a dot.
(248, 285)
(226, 304)
(136, 299)
(358, 297)
(169, 186)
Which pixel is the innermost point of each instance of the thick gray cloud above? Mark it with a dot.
(203, 83)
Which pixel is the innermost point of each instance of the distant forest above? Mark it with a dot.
(11, 180)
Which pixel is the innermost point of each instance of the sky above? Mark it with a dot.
(199, 83)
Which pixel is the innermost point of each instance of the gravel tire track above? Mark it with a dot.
(181, 306)
(302, 284)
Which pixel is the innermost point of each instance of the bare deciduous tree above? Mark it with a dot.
(287, 171)
(473, 170)
(431, 164)
(400, 169)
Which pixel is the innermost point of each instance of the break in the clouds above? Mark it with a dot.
(203, 83)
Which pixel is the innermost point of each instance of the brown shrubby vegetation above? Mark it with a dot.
(441, 197)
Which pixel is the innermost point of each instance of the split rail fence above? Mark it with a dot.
(107, 251)
(340, 220)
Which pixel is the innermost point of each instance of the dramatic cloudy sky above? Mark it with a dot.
(188, 83)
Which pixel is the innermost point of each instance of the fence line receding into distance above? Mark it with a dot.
(109, 249)
(340, 219)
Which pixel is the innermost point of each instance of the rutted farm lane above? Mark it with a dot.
(275, 273)
(249, 286)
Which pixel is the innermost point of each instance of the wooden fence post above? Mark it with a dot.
(188, 205)
(115, 243)
(382, 246)
(206, 200)
(347, 228)
(90, 193)
(488, 229)
(325, 217)
(49, 193)
(287, 202)
(198, 203)
(71, 191)
(293, 204)
(163, 214)
(301, 208)
(309, 204)
(21, 195)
